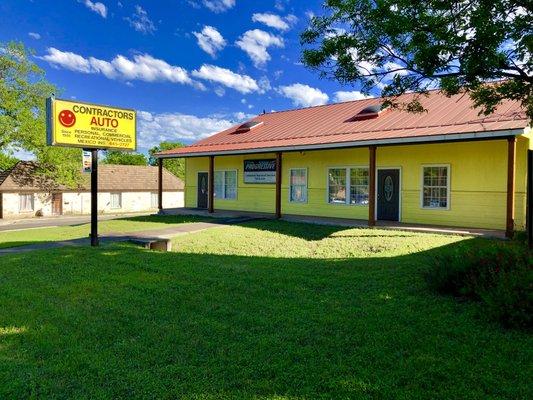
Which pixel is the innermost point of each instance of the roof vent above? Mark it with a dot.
(369, 112)
(248, 126)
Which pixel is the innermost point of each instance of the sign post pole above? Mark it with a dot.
(94, 198)
(90, 127)
(529, 209)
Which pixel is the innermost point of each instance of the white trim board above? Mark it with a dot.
(331, 146)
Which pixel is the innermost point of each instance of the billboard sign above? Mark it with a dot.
(90, 126)
(260, 171)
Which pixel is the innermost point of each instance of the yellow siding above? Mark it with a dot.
(478, 179)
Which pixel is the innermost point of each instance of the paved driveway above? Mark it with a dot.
(10, 225)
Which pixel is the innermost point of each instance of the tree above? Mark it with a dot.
(176, 166)
(7, 161)
(23, 91)
(400, 46)
(124, 158)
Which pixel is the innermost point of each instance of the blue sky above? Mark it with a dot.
(190, 67)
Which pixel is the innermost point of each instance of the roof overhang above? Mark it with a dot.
(469, 136)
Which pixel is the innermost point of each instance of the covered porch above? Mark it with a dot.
(373, 195)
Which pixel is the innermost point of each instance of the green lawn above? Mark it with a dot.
(52, 234)
(265, 310)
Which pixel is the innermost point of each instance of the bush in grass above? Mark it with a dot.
(500, 275)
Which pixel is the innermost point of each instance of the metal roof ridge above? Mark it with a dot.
(336, 134)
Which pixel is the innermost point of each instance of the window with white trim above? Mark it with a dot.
(348, 186)
(26, 202)
(298, 185)
(337, 185)
(154, 200)
(435, 186)
(226, 185)
(116, 200)
(359, 186)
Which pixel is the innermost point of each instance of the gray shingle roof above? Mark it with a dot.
(118, 178)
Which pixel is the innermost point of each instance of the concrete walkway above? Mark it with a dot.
(353, 223)
(152, 234)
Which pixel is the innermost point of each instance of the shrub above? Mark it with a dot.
(498, 274)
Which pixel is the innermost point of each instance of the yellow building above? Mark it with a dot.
(448, 166)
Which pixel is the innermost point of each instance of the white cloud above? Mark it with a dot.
(68, 60)
(141, 67)
(140, 21)
(210, 40)
(97, 7)
(304, 95)
(241, 83)
(218, 6)
(274, 21)
(220, 91)
(256, 42)
(342, 96)
(34, 35)
(264, 85)
(144, 67)
(156, 128)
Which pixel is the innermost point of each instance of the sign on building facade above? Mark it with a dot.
(260, 171)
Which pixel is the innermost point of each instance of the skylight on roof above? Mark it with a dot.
(248, 126)
(369, 112)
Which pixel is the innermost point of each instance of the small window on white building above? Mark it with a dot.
(116, 200)
(26, 202)
(298, 185)
(436, 186)
(226, 185)
(154, 200)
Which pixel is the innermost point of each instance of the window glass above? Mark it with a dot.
(226, 185)
(298, 185)
(219, 184)
(435, 187)
(26, 202)
(359, 186)
(116, 200)
(230, 185)
(337, 185)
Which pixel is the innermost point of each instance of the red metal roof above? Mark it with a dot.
(333, 125)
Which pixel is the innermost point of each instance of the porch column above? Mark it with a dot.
(372, 186)
(211, 185)
(278, 185)
(511, 172)
(160, 184)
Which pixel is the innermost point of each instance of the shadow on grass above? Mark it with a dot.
(315, 232)
(120, 322)
(41, 235)
(302, 230)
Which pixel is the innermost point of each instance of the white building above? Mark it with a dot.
(121, 189)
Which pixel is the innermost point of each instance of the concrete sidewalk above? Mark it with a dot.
(152, 234)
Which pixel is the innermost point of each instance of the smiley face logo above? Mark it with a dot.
(67, 118)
